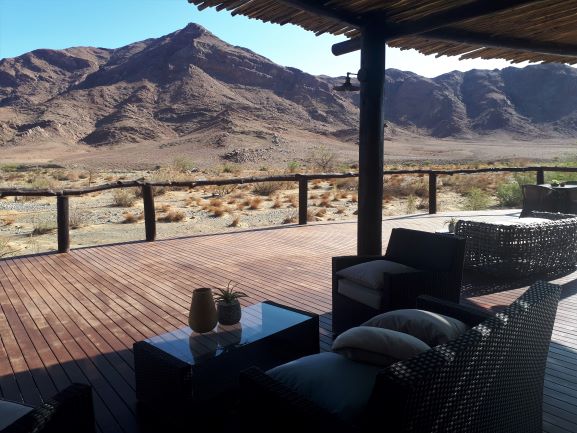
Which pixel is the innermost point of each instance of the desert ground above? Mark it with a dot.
(28, 224)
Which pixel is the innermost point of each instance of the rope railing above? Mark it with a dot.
(147, 187)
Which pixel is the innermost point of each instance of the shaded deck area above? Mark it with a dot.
(74, 317)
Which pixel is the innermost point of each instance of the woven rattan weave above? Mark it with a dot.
(521, 249)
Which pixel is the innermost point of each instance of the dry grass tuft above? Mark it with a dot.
(123, 198)
(8, 221)
(277, 203)
(341, 210)
(172, 217)
(131, 218)
(321, 212)
(255, 203)
(235, 221)
(291, 219)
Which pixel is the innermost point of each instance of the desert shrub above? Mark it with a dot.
(183, 164)
(321, 212)
(291, 218)
(341, 210)
(411, 204)
(131, 218)
(293, 166)
(266, 188)
(347, 183)
(76, 218)
(7, 221)
(322, 159)
(165, 207)
(235, 221)
(311, 215)
(510, 194)
(255, 203)
(42, 182)
(42, 228)
(277, 203)
(222, 190)
(6, 249)
(477, 199)
(293, 200)
(354, 198)
(232, 168)
(123, 198)
(172, 216)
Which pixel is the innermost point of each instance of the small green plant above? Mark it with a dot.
(477, 199)
(183, 164)
(450, 223)
(228, 295)
(293, 166)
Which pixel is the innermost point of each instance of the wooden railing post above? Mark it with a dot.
(432, 192)
(149, 213)
(540, 176)
(303, 198)
(63, 221)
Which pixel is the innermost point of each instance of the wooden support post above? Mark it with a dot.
(540, 176)
(303, 199)
(149, 213)
(371, 141)
(63, 221)
(432, 193)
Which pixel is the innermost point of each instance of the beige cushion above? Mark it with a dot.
(432, 328)
(362, 294)
(371, 274)
(10, 412)
(377, 346)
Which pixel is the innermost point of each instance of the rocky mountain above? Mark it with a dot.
(191, 87)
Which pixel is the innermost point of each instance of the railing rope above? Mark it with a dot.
(62, 196)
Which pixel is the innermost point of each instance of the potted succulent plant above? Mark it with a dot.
(227, 304)
(451, 224)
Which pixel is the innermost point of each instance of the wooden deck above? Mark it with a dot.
(74, 317)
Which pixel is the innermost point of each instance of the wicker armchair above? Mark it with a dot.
(488, 380)
(438, 258)
(69, 411)
(539, 198)
(519, 249)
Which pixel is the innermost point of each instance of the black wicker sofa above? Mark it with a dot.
(488, 380)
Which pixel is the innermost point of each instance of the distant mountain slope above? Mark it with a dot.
(191, 86)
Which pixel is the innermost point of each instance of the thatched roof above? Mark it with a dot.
(516, 30)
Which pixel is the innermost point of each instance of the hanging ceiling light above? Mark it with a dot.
(347, 86)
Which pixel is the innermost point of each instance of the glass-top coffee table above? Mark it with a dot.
(182, 368)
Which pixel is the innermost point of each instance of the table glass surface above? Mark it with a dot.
(559, 186)
(257, 322)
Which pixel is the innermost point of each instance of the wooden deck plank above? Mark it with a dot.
(74, 317)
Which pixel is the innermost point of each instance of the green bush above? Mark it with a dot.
(477, 199)
(510, 194)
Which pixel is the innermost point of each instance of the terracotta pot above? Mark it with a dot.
(202, 316)
(229, 313)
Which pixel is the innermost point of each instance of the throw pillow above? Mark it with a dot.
(432, 328)
(377, 346)
(371, 274)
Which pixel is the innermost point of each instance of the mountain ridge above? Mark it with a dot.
(190, 86)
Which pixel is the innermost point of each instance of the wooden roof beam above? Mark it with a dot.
(496, 41)
(435, 21)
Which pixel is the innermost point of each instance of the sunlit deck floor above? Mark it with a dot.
(74, 317)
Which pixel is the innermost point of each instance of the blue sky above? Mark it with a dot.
(26, 25)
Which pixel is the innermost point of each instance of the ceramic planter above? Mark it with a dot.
(202, 316)
(229, 313)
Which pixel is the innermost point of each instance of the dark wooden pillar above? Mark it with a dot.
(149, 213)
(432, 193)
(303, 199)
(63, 222)
(371, 140)
(540, 176)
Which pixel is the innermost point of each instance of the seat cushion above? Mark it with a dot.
(377, 346)
(10, 412)
(330, 380)
(372, 274)
(365, 295)
(432, 328)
